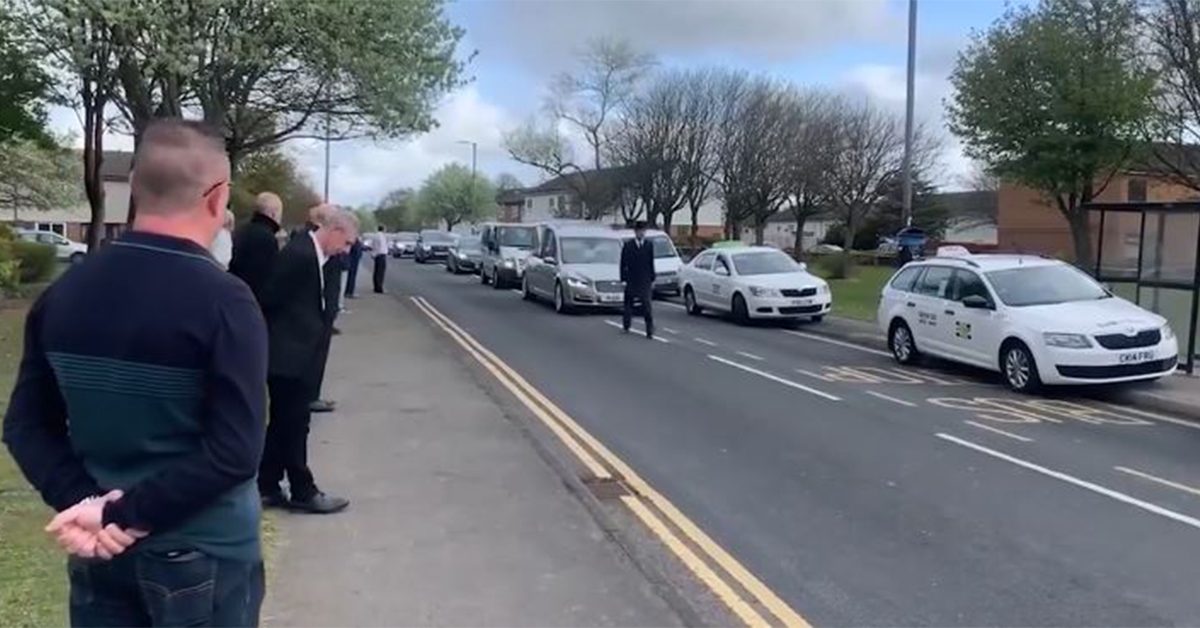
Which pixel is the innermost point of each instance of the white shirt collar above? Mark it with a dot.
(321, 259)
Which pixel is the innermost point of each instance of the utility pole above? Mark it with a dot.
(908, 111)
(328, 140)
(474, 149)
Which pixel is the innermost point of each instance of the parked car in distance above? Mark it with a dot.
(666, 261)
(826, 249)
(65, 249)
(433, 244)
(752, 282)
(1035, 320)
(465, 255)
(404, 244)
(506, 246)
(576, 267)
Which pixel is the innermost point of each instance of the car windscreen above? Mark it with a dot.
(663, 247)
(590, 250)
(406, 237)
(516, 237)
(764, 263)
(1044, 285)
(437, 237)
(469, 244)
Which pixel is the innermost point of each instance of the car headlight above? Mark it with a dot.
(577, 283)
(462, 255)
(1167, 332)
(508, 263)
(1067, 341)
(763, 292)
(823, 289)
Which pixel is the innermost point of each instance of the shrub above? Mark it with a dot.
(36, 261)
(835, 265)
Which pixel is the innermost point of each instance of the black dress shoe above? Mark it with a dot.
(320, 504)
(322, 405)
(274, 500)
(336, 331)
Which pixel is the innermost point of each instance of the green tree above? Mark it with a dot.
(397, 211)
(1055, 97)
(272, 171)
(36, 178)
(24, 87)
(453, 195)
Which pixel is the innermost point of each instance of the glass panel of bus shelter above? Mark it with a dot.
(1119, 244)
(1176, 306)
(1169, 248)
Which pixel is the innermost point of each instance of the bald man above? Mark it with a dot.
(295, 305)
(143, 423)
(255, 246)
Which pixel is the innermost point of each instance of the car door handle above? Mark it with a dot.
(949, 312)
(911, 304)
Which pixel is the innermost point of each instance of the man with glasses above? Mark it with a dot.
(138, 411)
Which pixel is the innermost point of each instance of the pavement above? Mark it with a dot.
(457, 519)
(858, 492)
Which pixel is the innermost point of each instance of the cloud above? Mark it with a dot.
(542, 34)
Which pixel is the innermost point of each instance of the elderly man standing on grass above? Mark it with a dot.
(144, 426)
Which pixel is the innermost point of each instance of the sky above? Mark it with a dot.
(853, 46)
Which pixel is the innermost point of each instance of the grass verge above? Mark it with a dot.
(857, 296)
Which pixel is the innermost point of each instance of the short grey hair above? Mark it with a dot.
(340, 219)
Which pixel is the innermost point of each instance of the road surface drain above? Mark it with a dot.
(606, 488)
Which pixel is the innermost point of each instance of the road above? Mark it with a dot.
(861, 493)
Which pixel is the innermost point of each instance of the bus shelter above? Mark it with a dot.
(1146, 253)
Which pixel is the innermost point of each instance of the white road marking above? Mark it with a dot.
(848, 345)
(775, 378)
(1146, 476)
(999, 431)
(635, 330)
(1154, 415)
(669, 303)
(706, 342)
(1084, 484)
(516, 291)
(884, 397)
(671, 331)
(751, 356)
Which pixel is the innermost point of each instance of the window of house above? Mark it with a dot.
(56, 227)
(562, 202)
(529, 203)
(1137, 191)
(551, 202)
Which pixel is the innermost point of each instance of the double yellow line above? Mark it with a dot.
(744, 594)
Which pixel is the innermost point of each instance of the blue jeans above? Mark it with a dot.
(176, 588)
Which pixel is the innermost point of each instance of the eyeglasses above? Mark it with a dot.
(214, 187)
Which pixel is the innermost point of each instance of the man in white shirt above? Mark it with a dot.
(379, 251)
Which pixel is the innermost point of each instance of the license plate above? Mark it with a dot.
(610, 298)
(801, 301)
(1135, 357)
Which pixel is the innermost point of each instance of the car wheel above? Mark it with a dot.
(1019, 368)
(497, 282)
(483, 277)
(76, 258)
(900, 341)
(526, 293)
(741, 312)
(560, 300)
(689, 302)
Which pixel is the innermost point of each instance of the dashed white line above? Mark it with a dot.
(880, 395)
(516, 291)
(775, 378)
(672, 304)
(706, 342)
(634, 329)
(848, 345)
(673, 332)
(996, 430)
(751, 356)
(1153, 478)
(1070, 479)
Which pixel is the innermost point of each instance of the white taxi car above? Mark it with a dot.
(753, 282)
(1035, 320)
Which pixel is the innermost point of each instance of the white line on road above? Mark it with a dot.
(1146, 476)
(999, 431)
(1070, 479)
(775, 378)
(706, 342)
(848, 345)
(671, 304)
(880, 395)
(751, 356)
(655, 338)
(516, 291)
(1154, 415)
(671, 331)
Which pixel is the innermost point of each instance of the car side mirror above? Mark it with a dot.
(549, 259)
(722, 271)
(976, 302)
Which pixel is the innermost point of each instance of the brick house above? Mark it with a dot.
(74, 222)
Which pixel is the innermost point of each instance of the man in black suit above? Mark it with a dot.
(255, 246)
(637, 271)
(332, 295)
(299, 328)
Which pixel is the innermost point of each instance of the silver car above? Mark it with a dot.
(505, 249)
(576, 267)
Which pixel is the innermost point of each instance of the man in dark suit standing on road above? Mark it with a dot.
(255, 246)
(299, 328)
(637, 271)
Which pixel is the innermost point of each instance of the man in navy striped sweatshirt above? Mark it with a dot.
(139, 408)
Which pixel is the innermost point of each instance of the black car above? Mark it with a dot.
(433, 245)
(465, 255)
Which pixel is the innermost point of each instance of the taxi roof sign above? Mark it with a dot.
(953, 250)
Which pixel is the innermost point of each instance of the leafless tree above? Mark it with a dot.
(1175, 46)
(869, 154)
(750, 170)
(812, 126)
(587, 102)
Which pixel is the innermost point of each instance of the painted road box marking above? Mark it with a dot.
(1033, 411)
(880, 375)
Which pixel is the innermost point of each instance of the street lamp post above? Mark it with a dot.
(908, 111)
(328, 139)
(474, 150)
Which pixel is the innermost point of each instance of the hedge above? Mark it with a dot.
(37, 261)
